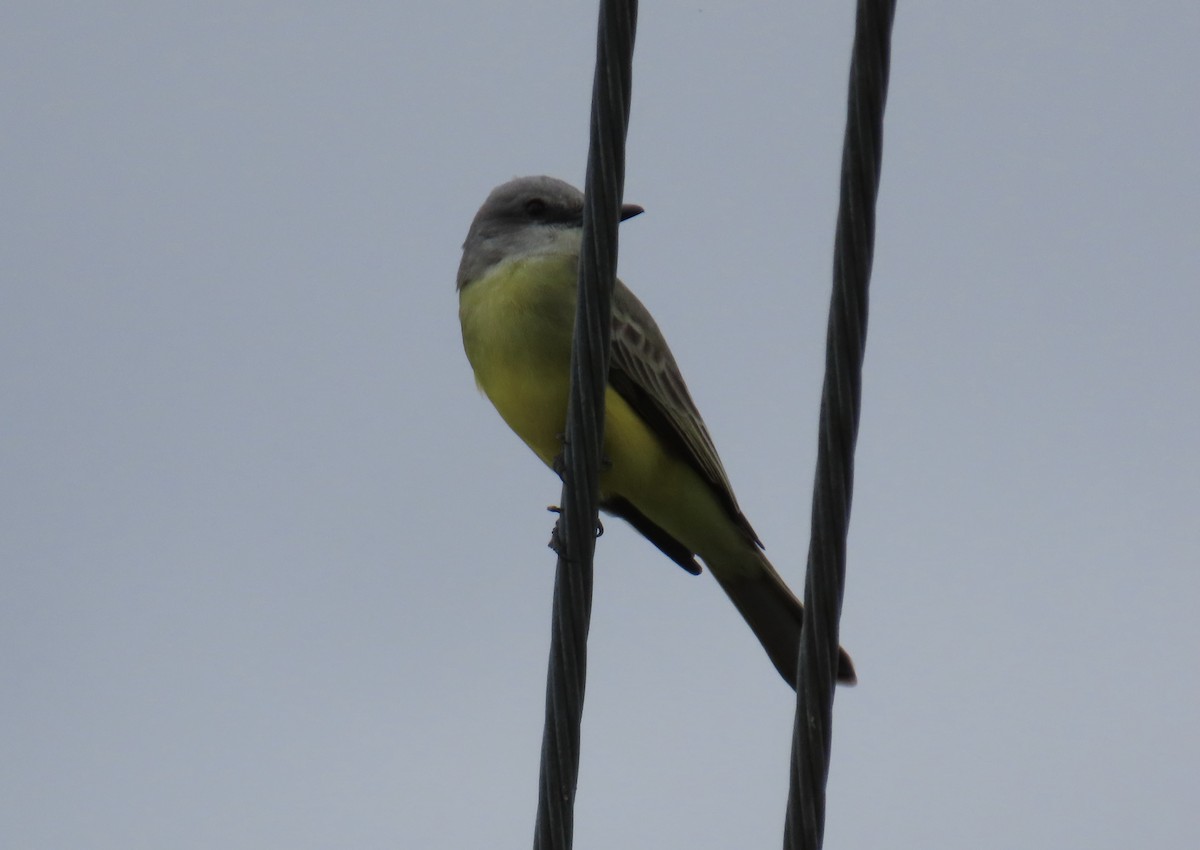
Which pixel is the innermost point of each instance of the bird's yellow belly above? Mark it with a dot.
(516, 326)
(517, 329)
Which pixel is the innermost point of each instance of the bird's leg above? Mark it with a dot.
(559, 463)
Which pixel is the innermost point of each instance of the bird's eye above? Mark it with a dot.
(535, 207)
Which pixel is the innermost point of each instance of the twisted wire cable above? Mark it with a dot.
(575, 532)
(862, 151)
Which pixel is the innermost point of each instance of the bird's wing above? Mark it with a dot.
(644, 373)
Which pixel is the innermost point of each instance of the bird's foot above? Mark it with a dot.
(556, 538)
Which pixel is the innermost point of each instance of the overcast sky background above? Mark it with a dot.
(274, 574)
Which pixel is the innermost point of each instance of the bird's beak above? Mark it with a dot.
(630, 210)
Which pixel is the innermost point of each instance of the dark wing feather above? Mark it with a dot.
(666, 544)
(644, 373)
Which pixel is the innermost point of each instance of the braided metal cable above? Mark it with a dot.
(575, 532)
(862, 151)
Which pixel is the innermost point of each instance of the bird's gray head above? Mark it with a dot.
(528, 215)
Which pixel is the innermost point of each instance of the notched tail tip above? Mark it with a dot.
(846, 675)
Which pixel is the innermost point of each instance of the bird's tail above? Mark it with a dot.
(774, 614)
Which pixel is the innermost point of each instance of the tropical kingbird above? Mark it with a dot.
(517, 291)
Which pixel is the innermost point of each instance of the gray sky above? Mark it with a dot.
(274, 574)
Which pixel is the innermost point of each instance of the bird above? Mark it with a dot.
(517, 287)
